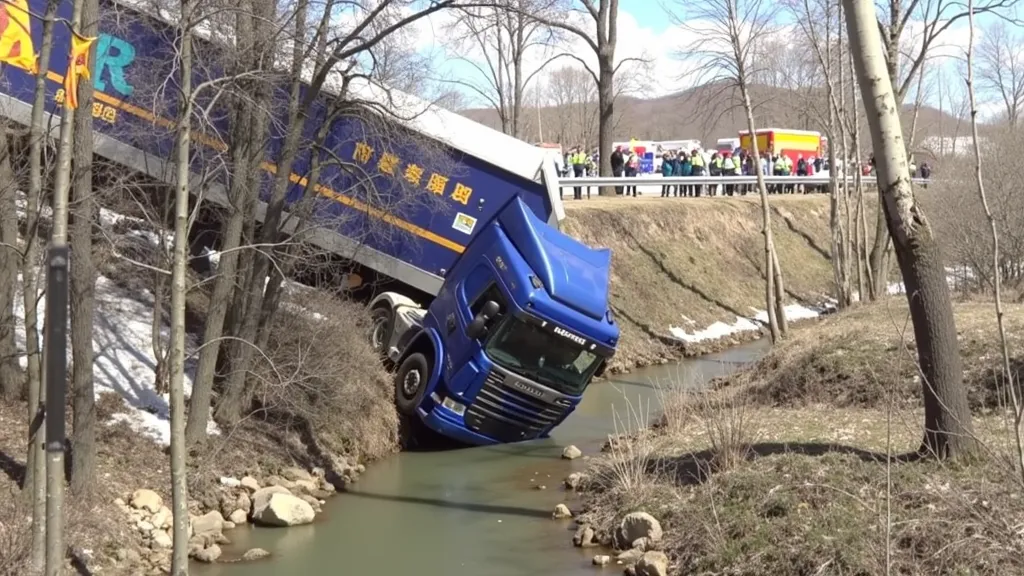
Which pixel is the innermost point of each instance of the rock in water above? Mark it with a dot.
(637, 525)
(561, 511)
(282, 510)
(652, 563)
(209, 554)
(147, 500)
(571, 452)
(602, 560)
(254, 554)
(209, 523)
(262, 496)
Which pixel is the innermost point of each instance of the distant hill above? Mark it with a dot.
(707, 113)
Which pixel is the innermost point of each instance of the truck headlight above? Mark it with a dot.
(454, 406)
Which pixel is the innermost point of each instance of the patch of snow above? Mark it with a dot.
(745, 324)
(124, 362)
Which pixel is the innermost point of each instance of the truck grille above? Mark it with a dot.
(508, 415)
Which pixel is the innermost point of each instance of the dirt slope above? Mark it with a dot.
(699, 258)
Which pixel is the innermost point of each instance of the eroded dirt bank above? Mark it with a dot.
(688, 263)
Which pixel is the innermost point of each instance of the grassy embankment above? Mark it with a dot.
(782, 469)
(699, 259)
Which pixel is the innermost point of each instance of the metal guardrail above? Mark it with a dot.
(571, 182)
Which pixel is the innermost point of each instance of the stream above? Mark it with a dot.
(470, 511)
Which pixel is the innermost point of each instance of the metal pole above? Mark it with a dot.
(55, 355)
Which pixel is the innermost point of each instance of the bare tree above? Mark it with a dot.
(1000, 68)
(574, 96)
(603, 41)
(821, 23)
(729, 31)
(179, 482)
(1008, 372)
(36, 469)
(11, 381)
(948, 429)
(903, 65)
(496, 42)
(83, 279)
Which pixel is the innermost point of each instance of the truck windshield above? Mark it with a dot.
(537, 354)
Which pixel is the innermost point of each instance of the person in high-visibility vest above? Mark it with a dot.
(698, 169)
(579, 164)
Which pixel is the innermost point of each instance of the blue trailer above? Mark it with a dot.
(516, 320)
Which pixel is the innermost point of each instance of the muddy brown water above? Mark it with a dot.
(469, 511)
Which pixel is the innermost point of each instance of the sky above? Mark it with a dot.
(645, 30)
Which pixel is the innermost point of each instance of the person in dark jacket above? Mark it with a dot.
(618, 167)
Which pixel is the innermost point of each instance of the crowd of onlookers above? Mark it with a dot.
(697, 162)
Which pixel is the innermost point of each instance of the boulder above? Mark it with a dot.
(162, 540)
(306, 486)
(239, 516)
(637, 525)
(208, 555)
(244, 503)
(584, 537)
(146, 500)
(229, 525)
(629, 556)
(282, 509)
(262, 496)
(561, 511)
(145, 526)
(652, 563)
(209, 523)
(279, 481)
(255, 554)
(571, 452)
(602, 560)
(249, 483)
(162, 518)
(230, 482)
(296, 474)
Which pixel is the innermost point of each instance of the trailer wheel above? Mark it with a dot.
(411, 383)
(381, 327)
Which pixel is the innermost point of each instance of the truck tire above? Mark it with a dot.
(382, 323)
(411, 383)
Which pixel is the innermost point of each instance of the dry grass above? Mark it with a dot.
(848, 360)
(751, 482)
(698, 259)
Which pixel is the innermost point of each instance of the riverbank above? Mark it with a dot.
(687, 274)
(783, 468)
(325, 410)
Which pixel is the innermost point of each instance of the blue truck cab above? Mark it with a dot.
(507, 348)
(499, 320)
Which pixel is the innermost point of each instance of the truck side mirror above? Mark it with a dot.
(478, 327)
(600, 369)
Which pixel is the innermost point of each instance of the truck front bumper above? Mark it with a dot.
(448, 424)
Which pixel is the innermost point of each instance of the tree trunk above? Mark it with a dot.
(766, 225)
(179, 262)
(232, 401)
(780, 290)
(605, 106)
(36, 468)
(83, 284)
(11, 380)
(948, 428)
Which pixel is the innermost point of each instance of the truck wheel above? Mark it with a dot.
(381, 326)
(411, 383)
